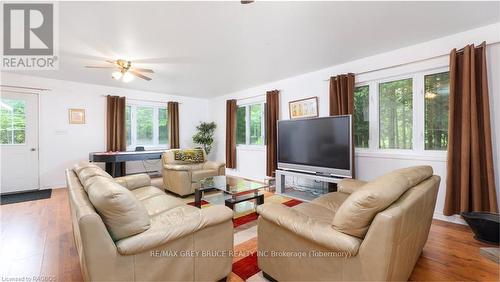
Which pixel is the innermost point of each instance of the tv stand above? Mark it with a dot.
(281, 174)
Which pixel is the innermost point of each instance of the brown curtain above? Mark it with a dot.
(173, 124)
(272, 117)
(116, 130)
(231, 133)
(342, 101)
(470, 184)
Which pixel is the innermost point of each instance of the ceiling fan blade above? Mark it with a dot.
(139, 75)
(246, 2)
(111, 61)
(99, 67)
(143, 70)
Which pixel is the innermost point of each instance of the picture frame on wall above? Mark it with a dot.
(303, 108)
(77, 116)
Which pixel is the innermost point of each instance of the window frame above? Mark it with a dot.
(247, 144)
(370, 101)
(17, 128)
(418, 147)
(133, 124)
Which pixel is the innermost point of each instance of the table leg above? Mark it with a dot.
(229, 204)
(197, 198)
(109, 168)
(260, 199)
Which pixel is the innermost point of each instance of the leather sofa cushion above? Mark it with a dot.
(134, 181)
(316, 212)
(147, 192)
(357, 212)
(349, 185)
(122, 213)
(81, 165)
(203, 173)
(85, 174)
(160, 203)
(173, 224)
(331, 201)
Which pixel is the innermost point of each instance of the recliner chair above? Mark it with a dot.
(181, 176)
(366, 231)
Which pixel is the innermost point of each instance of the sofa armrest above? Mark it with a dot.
(158, 235)
(318, 232)
(177, 167)
(349, 185)
(134, 181)
(213, 165)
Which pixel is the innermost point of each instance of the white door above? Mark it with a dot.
(18, 142)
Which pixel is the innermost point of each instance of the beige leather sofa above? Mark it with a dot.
(127, 230)
(180, 177)
(365, 231)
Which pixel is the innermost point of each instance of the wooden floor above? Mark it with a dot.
(37, 241)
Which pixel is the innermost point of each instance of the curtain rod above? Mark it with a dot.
(144, 100)
(19, 92)
(246, 98)
(411, 62)
(24, 87)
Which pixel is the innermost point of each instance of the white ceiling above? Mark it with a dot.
(206, 49)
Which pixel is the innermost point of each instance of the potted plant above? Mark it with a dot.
(204, 135)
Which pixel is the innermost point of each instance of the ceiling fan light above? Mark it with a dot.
(127, 77)
(116, 75)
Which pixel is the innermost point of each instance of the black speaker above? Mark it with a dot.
(485, 226)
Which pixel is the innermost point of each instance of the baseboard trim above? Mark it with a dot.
(452, 218)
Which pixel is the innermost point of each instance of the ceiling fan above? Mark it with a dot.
(246, 2)
(125, 71)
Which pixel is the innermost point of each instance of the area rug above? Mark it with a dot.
(245, 266)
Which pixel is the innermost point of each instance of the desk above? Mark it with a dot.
(114, 160)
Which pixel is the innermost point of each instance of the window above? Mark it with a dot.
(241, 125)
(146, 125)
(12, 121)
(437, 94)
(361, 116)
(256, 119)
(396, 114)
(250, 124)
(408, 113)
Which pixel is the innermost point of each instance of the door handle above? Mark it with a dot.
(33, 149)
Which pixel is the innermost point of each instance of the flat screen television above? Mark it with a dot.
(317, 145)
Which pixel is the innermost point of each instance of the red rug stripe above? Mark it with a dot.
(292, 203)
(245, 219)
(246, 267)
(203, 202)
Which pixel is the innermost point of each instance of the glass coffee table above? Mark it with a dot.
(241, 190)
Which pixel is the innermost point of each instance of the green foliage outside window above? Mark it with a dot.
(162, 126)
(241, 125)
(256, 124)
(144, 125)
(361, 116)
(437, 94)
(12, 121)
(128, 124)
(396, 114)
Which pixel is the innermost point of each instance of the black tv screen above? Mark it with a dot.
(318, 144)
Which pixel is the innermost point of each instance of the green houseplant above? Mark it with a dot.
(204, 135)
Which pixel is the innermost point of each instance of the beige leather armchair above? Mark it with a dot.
(365, 231)
(180, 177)
(127, 230)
